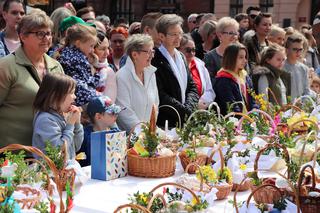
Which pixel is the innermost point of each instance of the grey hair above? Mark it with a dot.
(103, 19)
(57, 16)
(166, 21)
(136, 42)
(207, 28)
(226, 22)
(275, 30)
(193, 15)
(34, 21)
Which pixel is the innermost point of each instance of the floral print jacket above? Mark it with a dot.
(76, 65)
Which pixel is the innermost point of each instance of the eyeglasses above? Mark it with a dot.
(190, 50)
(149, 52)
(175, 34)
(231, 33)
(253, 16)
(297, 49)
(117, 41)
(41, 34)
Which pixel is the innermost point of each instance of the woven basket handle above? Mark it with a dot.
(132, 130)
(132, 206)
(175, 110)
(235, 194)
(266, 115)
(259, 188)
(155, 197)
(243, 116)
(177, 186)
(201, 175)
(221, 157)
(302, 174)
(301, 121)
(199, 111)
(272, 94)
(269, 145)
(34, 150)
(217, 107)
(314, 105)
(289, 106)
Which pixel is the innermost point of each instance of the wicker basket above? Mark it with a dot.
(223, 190)
(241, 187)
(152, 167)
(267, 194)
(185, 161)
(53, 168)
(307, 203)
(266, 116)
(160, 186)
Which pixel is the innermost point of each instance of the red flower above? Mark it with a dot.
(5, 163)
(52, 207)
(70, 203)
(164, 190)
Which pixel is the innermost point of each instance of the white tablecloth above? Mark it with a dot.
(105, 196)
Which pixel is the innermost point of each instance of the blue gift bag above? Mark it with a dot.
(108, 155)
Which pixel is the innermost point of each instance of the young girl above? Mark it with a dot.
(56, 119)
(79, 46)
(270, 75)
(107, 84)
(232, 82)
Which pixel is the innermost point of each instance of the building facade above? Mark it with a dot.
(285, 12)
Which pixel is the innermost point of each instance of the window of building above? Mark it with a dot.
(122, 8)
(266, 6)
(236, 7)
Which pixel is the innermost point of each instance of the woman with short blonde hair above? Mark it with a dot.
(227, 30)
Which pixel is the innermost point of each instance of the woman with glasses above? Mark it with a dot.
(136, 82)
(13, 11)
(118, 37)
(198, 71)
(175, 84)
(20, 76)
(227, 32)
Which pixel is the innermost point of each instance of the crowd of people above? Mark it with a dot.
(73, 73)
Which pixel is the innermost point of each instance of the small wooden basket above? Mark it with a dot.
(267, 194)
(151, 167)
(223, 190)
(308, 204)
(201, 160)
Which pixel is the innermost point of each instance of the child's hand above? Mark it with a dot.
(74, 115)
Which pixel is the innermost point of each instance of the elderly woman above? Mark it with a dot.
(175, 84)
(136, 82)
(227, 32)
(20, 76)
(198, 71)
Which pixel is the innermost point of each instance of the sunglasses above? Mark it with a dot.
(297, 49)
(253, 16)
(190, 50)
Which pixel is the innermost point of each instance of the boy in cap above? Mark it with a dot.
(103, 115)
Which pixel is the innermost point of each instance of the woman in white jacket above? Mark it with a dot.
(198, 71)
(136, 82)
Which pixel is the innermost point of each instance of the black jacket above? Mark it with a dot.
(170, 93)
(228, 92)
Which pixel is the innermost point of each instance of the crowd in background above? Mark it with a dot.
(65, 76)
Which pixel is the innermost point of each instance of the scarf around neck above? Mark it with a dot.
(179, 69)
